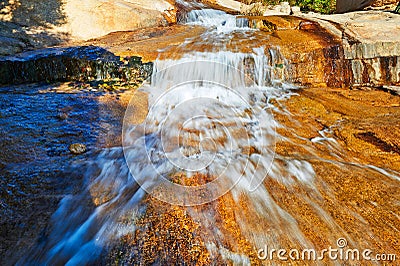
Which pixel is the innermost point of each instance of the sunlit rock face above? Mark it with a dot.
(226, 5)
(32, 24)
(370, 48)
(93, 18)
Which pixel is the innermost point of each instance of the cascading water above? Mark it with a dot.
(210, 114)
(215, 18)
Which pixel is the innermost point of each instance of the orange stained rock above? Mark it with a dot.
(359, 200)
(147, 43)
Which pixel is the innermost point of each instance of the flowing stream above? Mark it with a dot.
(210, 114)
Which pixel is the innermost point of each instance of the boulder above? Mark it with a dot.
(31, 24)
(296, 10)
(282, 9)
(92, 18)
(343, 6)
(229, 4)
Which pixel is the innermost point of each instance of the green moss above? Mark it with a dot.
(321, 6)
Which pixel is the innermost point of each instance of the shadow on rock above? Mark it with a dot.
(29, 24)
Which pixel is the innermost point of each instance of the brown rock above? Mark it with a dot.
(309, 26)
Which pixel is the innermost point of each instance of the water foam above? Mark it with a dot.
(216, 20)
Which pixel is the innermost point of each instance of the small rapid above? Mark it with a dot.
(215, 19)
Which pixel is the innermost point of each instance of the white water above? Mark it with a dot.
(215, 19)
(211, 95)
(219, 100)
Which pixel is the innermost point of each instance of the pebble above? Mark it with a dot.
(77, 148)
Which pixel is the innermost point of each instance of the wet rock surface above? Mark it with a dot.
(137, 43)
(359, 120)
(364, 124)
(37, 170)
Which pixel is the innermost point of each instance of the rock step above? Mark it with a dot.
(82, 63)
(357, 49)
(371, 44)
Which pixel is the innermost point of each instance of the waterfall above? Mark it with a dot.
(217, 104)
(209, 113)
(205, 114)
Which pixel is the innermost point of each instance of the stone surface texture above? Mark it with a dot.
(102, 17)
(32, 24)
(371, 43)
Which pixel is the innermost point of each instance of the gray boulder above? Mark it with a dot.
(343, 6)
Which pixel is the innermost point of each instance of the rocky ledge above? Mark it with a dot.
(371, 45)
(82, 63)
(354, 49)
(363, 49)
